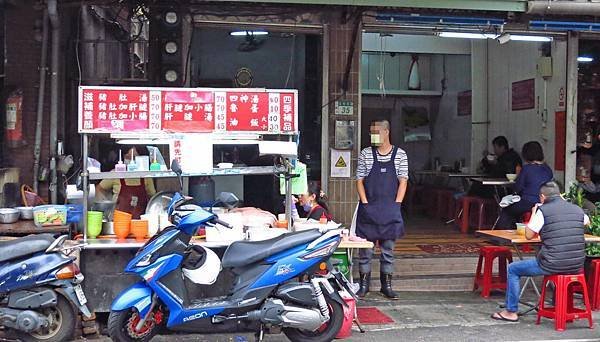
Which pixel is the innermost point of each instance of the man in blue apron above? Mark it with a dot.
(382, 177)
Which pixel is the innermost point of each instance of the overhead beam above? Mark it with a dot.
(481, 5)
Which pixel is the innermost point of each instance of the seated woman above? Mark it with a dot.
(314, 203)
(534, 174)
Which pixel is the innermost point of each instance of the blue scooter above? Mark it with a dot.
(285, 284)
(40, 288)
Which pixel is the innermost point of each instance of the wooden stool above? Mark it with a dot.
(564, 310)
(486, 280)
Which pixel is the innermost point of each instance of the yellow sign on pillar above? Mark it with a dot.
(340, 164)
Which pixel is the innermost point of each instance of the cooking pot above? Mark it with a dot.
(9, 215)
(26, 212)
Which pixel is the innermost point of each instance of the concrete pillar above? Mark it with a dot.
(342, 191)
(571, 134)
(479, 116)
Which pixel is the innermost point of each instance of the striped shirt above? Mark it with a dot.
(365, 162)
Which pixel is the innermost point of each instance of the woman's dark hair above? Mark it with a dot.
(315, 189)
(532, 151)
(500, 141)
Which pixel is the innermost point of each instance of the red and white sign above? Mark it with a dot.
(187, 110)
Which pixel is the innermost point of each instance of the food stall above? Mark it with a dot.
(190, 121)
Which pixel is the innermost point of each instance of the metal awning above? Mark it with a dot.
(477, 5)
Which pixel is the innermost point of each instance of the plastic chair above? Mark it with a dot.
(487, 280)
(564, 310)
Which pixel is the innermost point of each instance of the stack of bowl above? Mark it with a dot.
(139, 229)
(121, 224)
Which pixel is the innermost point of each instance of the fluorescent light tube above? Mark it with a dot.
(584, 59)
(467, 35)
(530, 38)
(248, 33)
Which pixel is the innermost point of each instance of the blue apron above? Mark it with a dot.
(381, 218)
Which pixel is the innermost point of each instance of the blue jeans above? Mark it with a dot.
(516, 270)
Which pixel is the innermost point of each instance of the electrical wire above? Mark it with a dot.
(292, 53)
(77, 42)
(188, 57)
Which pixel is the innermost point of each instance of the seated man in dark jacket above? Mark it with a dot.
(560, 225)
(507, 160)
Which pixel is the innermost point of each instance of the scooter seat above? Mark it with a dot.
(27, 245)
(242, 253)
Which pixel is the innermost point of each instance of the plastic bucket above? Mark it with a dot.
(94, 224)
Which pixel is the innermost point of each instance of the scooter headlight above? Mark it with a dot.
(145, 261)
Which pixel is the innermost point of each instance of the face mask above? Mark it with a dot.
(307, 207)
(375, 139)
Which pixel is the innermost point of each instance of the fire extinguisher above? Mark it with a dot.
(14, 119)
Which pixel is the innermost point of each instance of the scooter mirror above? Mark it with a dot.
(175, 167)
(228, 199)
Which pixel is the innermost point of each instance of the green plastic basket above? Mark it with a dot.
(344, 266)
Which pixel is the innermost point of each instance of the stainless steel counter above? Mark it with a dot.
(133, 244)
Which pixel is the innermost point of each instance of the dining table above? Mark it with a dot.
(518, 241)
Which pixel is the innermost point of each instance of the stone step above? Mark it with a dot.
(428, 266)
(427, 273)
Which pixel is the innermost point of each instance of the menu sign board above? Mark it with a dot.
(187, 110)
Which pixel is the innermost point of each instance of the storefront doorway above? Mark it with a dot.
(230, 57)
(467, 92)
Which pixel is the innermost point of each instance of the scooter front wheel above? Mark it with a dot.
(122, 326)
(327, 332)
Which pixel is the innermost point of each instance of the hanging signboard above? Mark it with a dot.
(187, 110)
(463, 101)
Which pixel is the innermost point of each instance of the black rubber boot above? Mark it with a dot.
(365, 283)
(386, 286)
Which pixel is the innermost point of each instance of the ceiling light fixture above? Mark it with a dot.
(585, 59)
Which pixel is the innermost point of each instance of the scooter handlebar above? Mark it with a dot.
(223, 223)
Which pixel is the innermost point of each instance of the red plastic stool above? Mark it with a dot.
(564, 310)
(594, 284)
(467, 204)
(487, 280)
(445, 203)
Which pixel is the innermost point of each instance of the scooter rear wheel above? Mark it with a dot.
(327, 332)
(61, 327)
(121, 327)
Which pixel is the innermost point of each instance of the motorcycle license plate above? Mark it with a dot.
(80, 295)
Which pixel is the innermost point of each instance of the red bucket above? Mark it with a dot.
(349, 312)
